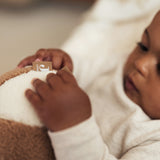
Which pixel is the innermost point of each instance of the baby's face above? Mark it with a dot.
(142, 71)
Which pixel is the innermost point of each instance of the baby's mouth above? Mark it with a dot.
(129, 84)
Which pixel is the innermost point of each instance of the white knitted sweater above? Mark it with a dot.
(118, 128)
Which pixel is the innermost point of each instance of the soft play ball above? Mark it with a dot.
(22, 135)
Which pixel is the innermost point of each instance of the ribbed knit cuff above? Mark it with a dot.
(82, 140)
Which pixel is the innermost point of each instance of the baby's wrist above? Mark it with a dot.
(62, 125)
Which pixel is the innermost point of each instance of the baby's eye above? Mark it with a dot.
(142, 47)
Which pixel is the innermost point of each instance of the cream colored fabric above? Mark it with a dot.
(118, 128)
(11, 74)
(123, 10)
(14, 106)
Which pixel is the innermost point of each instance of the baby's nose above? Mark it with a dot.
(144, 64)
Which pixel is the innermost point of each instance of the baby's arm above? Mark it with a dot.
(66, 111)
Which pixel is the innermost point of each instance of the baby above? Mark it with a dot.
(142, 71)
(117, 118)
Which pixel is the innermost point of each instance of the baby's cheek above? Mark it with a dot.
(151, 106)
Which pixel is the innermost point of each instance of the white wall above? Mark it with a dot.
(24, 31)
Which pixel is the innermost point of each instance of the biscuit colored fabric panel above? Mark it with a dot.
(22, 142)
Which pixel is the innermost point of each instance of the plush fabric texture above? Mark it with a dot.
(22, 142)
(22, 136)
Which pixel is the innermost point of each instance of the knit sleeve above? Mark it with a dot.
(119, 10)
(79, 142)
(91, 52)
(98, 42)
(84, 141)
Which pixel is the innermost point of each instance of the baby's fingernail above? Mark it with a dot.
(65, 68)
(37, 60)
(19, 66)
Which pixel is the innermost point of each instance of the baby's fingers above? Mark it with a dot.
(68, 62)
(60, 59)
(43, 55)
(33, 98)
(42, 88)
(54, 81)
(57, 61)
(67, 76)
(27, 61)
(40, 55)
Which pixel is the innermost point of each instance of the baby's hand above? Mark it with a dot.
(59, 103)
(58, 58)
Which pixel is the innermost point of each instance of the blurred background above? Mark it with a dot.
(27, 25)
